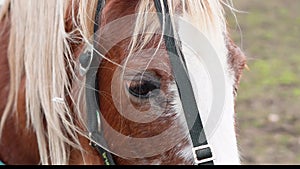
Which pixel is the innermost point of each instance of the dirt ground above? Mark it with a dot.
(268, 107)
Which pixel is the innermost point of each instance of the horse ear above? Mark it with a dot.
(237, 60)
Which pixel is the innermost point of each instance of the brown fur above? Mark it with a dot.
(237, 61)
(18, 140)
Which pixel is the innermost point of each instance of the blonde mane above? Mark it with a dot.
(40, 51)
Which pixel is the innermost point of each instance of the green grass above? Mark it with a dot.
(270, 39)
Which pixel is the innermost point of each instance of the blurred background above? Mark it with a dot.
(268, 102)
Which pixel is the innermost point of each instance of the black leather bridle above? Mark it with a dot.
(90, 61)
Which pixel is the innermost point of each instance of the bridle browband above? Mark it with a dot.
(89, 63)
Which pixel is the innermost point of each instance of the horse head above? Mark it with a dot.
(118, 82)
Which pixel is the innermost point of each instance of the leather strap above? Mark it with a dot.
(92, 97)
(202, 151)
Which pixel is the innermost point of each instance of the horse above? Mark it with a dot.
(61, 59)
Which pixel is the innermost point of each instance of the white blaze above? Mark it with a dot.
(222, 138)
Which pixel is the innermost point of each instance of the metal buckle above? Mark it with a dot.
(85, 60)
(197, 161)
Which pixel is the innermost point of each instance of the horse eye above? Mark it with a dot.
(144, 88)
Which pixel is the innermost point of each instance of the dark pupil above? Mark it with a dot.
(142, 89)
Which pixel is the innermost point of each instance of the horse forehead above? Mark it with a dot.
(149, 59)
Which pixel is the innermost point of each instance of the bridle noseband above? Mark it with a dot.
(89, 63)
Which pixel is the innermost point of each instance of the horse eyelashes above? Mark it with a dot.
(144, 89)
